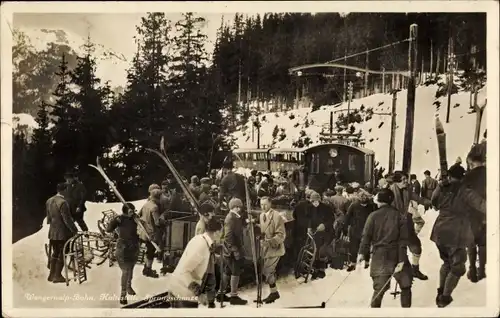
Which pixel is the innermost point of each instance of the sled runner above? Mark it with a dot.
(305, 259)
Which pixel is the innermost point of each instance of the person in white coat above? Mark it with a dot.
(273, 234)
(189, 279)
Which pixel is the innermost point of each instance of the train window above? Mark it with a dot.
(314, 163)
(352, 162)
(330, 166)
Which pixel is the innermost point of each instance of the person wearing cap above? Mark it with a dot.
(204, 193)
(194, 186)
(233, 252)
(232, 185)
(320, 221)
(75, 194)
(207, 211)
(429, 184)
(127, 247)
(354, 222)
(452, 234)
(194, 275)
(403, 197)
(150, 218)
(474, 196)
(273, 234)
(386, 233)
(61, 229)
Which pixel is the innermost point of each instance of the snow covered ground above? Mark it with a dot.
(32, 290)
(459, 132)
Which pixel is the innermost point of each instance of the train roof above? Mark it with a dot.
(363, 150)
(246, 150)
(286, 150)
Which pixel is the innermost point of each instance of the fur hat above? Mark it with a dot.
(385, 196)
(315, 196)
(235, 202)
(152, 187)
(155, 194)
(206, 208)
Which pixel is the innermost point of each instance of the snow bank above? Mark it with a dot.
(460, 130)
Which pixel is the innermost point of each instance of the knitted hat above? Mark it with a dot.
(205, 180)
(315, 196)
(153, 187)
(195, 179)
(206, 208)
(155, 194)
(456, 171)
(235, 202)
(385, 196)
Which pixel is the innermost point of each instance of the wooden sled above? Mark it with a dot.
(305, 260)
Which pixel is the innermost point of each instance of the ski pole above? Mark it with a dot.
(395, 292)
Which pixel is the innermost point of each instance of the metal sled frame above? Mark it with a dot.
(306, 258)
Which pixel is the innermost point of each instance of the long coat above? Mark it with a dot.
(321, 214)
(150, 218)
(191, 267)
(75, 194)
(233, 235)
(62, 226)
(386, 231)
(355, 218)
(452, 227)
(474, 196)
(272, 226)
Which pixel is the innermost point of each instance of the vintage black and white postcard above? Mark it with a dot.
(250, 158)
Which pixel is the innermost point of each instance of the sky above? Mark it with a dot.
(113, 30)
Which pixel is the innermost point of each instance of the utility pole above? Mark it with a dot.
(331, 124)
(410, 107)
(349, 98)
(451, 69)
(345, 74)
(392, 151)
(366, 75)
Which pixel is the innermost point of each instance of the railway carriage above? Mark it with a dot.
(255, 159)
(287, 159)
(354, 163)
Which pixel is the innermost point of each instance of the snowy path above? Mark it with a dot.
(103, 281)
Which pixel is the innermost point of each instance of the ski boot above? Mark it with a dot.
(418, 274)
(149, 272)
(351, 267)
(236, 300)
(130, 291)
(472, 274)
(444, 301)
(439, 294)
(123, 297)
(211, 305)
(271, 298)
(222, 297)
(367, 264)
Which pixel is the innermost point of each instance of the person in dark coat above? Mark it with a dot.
(415, 185)
(233, 251)
(451, 233)
(355, 220)
(194, 186)
(232, 185)
(127, 247)
(429, 184)
(75, 195)
(300, 220)
(386, 232)
(403, 197)
(475, 190)
(320, 223)
(61, 229)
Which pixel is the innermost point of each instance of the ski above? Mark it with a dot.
(441, 139)
(252, 237)
(99, 168)
(192, 200)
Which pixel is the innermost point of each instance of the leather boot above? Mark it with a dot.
(58, 267)
(271, 298)
(472, 273)
(123, 297)
(405, 298)
(418, 274)
(439, 294)
(52, 268)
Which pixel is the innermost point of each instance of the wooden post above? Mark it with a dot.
(410, 108)
(366, 75)
(438, 62)
(393, 86)
(451, 68)
(392, 152)
(331, 124)
(344, 93)
(432, 61)
(383, 80)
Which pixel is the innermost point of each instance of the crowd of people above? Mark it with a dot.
(378, 223)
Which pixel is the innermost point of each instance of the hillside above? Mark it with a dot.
(302, 123)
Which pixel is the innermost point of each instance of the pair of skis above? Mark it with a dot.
(258, 278)
(99, 168)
